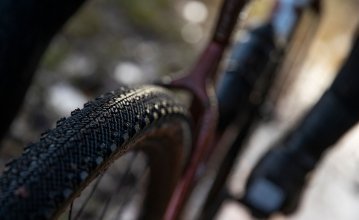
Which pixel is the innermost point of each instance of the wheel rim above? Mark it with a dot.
(117, 193)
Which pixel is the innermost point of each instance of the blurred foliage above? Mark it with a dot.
(151, 16)
(55, 55)
(86, 23)
(101, 27)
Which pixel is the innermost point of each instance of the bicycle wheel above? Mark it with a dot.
(51, 173)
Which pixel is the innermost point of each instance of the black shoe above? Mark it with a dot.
(277, 181)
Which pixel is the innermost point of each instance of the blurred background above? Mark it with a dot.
(106, 44)
(109, 43)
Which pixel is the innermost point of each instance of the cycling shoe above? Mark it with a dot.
(277, 181)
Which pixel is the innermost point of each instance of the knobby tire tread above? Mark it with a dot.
(50, 172)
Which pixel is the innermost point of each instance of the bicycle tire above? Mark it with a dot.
(53, 171)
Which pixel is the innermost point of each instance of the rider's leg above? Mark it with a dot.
(276, 182)
(26, 28)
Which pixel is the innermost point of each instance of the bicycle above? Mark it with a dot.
(136, 118)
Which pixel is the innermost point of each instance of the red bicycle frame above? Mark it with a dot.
(200, 83)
